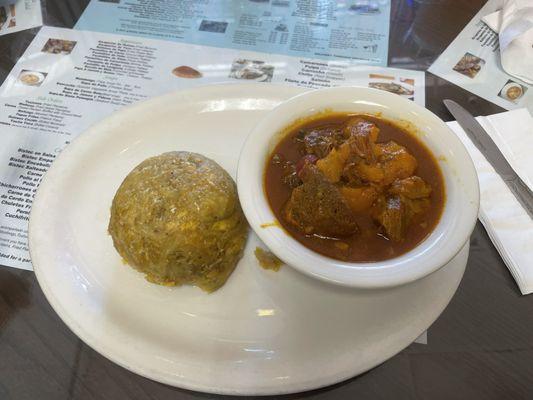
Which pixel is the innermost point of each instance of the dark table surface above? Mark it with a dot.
(481, 347)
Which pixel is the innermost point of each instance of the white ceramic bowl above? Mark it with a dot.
(448, 237)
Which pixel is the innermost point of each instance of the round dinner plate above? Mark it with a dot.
(264, 332)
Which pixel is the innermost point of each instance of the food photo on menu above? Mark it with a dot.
(8, 16)
(19, 15)
(58, 46)
(266, 198)
(31, 78)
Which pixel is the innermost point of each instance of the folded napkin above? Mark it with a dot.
(514, 24)
(507, 223)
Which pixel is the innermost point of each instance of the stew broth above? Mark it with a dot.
(370, 243)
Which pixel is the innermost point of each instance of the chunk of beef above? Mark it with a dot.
(321, 141)
(394, 213)
(388, 150)
(290, 175)
(413, 187)
(350, 177)
(317, 207)
(307, 159)
(391, 214)
(416, 206)
(362, 135)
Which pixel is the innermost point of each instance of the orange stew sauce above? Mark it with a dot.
(375, 238)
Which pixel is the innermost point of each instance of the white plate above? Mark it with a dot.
(263, 332)
(509, 86)
(40, 78)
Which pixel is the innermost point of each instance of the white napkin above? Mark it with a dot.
(507, 223)
(514, 24)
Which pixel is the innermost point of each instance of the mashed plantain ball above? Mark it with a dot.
(177, 218)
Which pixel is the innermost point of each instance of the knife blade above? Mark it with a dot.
(492, 153)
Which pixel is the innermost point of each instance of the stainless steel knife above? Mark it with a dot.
(488, 148)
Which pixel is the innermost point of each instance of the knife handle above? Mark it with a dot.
(523, 194)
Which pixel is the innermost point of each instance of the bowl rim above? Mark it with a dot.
(452, 231)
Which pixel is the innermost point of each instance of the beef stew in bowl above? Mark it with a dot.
(352, 187)
(418, 133)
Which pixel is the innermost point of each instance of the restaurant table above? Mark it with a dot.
(481, 347)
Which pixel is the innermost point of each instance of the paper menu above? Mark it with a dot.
(68, 80)
(336, 30)
(17, 15)
(472, 62)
